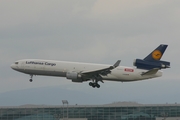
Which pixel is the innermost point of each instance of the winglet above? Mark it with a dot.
(117, 63)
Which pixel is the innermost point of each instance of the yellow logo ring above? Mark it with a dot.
(157, 55)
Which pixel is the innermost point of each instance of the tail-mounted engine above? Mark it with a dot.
(143, 64)
(74, 76)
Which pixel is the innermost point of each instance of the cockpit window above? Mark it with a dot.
(16, 62)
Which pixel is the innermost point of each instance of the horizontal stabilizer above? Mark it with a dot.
(153, 60)
(151, 72)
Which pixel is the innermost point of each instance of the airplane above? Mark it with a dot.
(149, 67)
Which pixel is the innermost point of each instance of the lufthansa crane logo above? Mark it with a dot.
(157, 55)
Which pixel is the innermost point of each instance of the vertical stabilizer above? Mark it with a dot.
(157, 53)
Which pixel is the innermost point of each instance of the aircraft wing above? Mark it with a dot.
(151, 72)
(95, 74)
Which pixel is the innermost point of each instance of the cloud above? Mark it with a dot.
(112, 8)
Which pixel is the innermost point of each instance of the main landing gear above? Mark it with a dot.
(30, 80)
(94, 84)
(95, 80)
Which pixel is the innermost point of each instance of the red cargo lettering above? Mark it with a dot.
(129, 70)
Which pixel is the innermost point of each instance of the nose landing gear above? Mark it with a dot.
(30, 80)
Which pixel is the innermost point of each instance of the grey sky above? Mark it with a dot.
(98, 31)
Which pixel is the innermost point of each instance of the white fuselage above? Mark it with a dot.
(60, 68)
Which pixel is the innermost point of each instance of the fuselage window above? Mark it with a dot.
(16, 62)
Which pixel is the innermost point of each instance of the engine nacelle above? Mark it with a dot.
(144, 64)
(77, 80)
(74, 76)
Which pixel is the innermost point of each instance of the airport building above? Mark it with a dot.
(114, 111)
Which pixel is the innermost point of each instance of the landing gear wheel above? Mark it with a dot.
(31, 78)
(97, 85)
(94, 85)
(90, 84)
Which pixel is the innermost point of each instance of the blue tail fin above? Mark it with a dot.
(156, 54)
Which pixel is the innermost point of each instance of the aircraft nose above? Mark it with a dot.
(13, 66)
